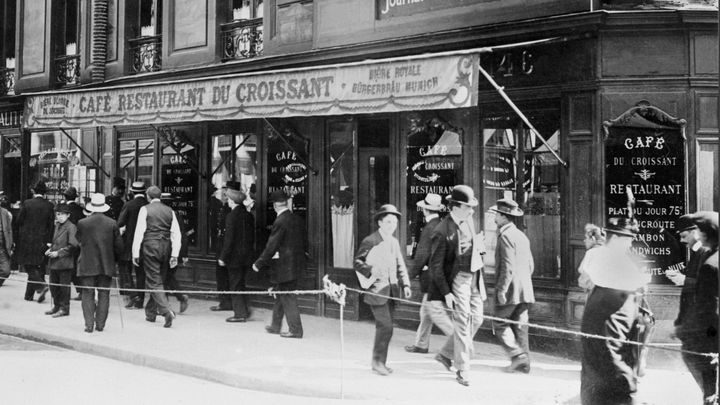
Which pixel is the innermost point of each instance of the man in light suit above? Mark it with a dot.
(284, 255)
(100, 247)
(6, 245)
(514, 266)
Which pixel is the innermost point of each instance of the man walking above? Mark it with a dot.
(170, 282)
(218, 212)
(6, 244)
(431, 207)
(455, 281)
(100, 247)
(36, 223)
(76, 214)
(127, 223)
(284, 254)
(238, 250)
(514, 266)
(157, 241)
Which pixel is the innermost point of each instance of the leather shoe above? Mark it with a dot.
(216, 308)
(415, 349)
(88, 329)
(520, 363)
(60, 313)
(169, 316)
(380, 369)
(184, 303)
(52, 311)
(291, 335)
(235, 319)
(150, 318)
(271, 330)
(41, 298)
(461, 377)
(134, 302)
(99, 328)
(78, 298)
(444, 361)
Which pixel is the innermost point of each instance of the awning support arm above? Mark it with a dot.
(95, 163)
(228, 156)
(190, 162)
(522, 116)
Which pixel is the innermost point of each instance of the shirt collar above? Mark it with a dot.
(139, 196)
(431, 217)
(696, 246)
(505, 227)
(155, 200)
(281, 210)
(455, 218)
(384, 235)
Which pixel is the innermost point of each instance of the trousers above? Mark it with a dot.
(513, 338)
(237, 283)
(467, 318)
(286, 306)
(61, 294)
(383, 331)
(156, 261)
(95, 314)
(36, 279)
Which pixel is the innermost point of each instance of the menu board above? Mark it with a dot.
(287, 171)
(179, 179)
(646, 160)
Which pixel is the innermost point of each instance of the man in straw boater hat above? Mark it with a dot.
(456, 281)
(100, 248)
(35, 225)
(127, 223)
(157, 242)
(608, 375)
(514, 293)
(431, 206)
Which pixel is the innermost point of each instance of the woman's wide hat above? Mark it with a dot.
(432, 202)
(464, 195)
(622, 226)
(387, 209)
(97, 203)
(507, 206)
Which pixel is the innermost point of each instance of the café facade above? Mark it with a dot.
(578, 118)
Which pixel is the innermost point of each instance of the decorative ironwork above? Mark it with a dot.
(67, 70)
(146, 54)
(242, 39)
(7, 82)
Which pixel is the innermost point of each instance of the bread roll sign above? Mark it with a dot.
(645, 157)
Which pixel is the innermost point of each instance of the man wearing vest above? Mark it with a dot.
(455, 281)
(157, 238)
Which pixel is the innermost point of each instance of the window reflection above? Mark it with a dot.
(342, 196)
(180, 178)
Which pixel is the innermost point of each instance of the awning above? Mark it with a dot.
(424, 82)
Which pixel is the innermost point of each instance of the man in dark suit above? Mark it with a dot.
(218, 212)
(157, 241)
(116, 198)
(100, 247)
(6, 244)
(76, 214)
(514, 266)
(127, 223)
(431, 206)
(35, 224)
(238, 251)
(284, 255)
(455, 281)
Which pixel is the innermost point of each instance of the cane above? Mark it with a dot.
(122, 321)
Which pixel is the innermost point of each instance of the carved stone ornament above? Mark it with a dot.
(645, 115)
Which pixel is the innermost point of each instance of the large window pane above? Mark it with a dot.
(12, 164)
(137, 161)
(707, 172)
(342, 195)
(287, 154)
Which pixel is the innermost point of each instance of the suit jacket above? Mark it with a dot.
(100, 245)
(687, 295)
(128, 219)
(422, 255)
(442, 263)
(35, 224)
(239, 242)
(288, 239)
(76, 212)
(7, 227)
(391, 275)
(65, 244)
(700, 327)
(514, 266)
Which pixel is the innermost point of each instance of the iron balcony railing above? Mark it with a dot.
(146, 54)
(242, 39)
(7, 81)
(67, 70)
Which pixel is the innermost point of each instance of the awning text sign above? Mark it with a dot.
(440, 82)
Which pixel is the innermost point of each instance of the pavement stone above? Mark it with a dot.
(201, 344)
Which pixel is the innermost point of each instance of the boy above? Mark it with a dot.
(61, 261)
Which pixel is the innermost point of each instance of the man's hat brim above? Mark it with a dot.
(515, 212)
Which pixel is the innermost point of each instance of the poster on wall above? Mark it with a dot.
(287, 170)
(645, 158)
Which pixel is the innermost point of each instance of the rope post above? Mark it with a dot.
(338, 294)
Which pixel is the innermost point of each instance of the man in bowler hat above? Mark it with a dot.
(127, 223)
(514, 293)
(284, 255)
(431, 206)
(455, 281)
(219, 209)
(35, 223)
(100, 247)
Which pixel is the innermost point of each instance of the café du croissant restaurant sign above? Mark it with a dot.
(645, 165)
(438, 81)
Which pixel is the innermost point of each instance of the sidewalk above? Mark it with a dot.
(201, 344)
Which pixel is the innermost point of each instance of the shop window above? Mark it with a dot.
(57, 160)
(12, 165)
(707, 173)
(342, 192)
(233, 158)
(294, 20)
(434, 165)
(137, 161)
(517, 165)
(146, 44)
(243, 36)
(7, 46)
(287, 157)
(66, 29)
(180, 176)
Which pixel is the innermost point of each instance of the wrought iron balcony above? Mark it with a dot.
(242, 39)
(146, 54)
(7, 81)
(67, 70)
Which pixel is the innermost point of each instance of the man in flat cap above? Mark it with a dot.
(127, 223)
(35, 223)
(514, 293)
(284, 255)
